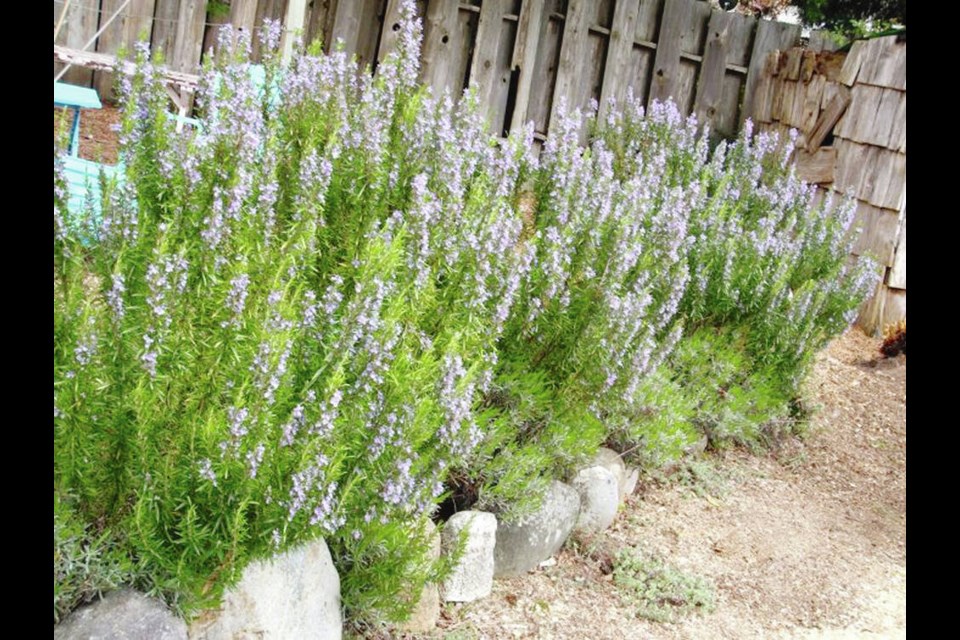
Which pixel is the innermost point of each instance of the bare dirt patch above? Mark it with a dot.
(98, 140)
(808, 541)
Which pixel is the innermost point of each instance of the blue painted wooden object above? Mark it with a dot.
(75, 98)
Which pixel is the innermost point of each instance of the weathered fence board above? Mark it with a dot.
(545, 69)
(573, 58)
(490, 72)
(165, 27)
(832, 109)
(878, 235)
(243, 13)
(444, 59)
(294, 26)
(738, 52)
(898, 134)
(594, 55)
(816, 167)
(391, 22)
(524, 58)
(770, 36)
(646, 35)
(894, 306)
(188, 38)
(79, 25)
(897, 277)
(320, 25)
(619, 51)
(358, 24)
(714, 68)
(884, 63)
(677, 14)
(133, 24)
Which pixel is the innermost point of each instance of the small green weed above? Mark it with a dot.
(659, 591)
(85, 564)
(702, 478)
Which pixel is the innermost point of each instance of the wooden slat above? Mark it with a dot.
(852, 63)
(763, 95)
(545, 70)
(188, 45)
(352, 22)
(391, 25)
(525, 57)
(134, 22)
(691, 56)
(370, 29)
(808, 65)
(777, 89)
(816, 167)
(885, 185)
(788, 95)
(442, 40)
(885, 63)
(898, 134)
(572, 60)
(486, 75)
(884, 122)
(810, 104)
(642, 58)
(734, 79)
(894, 306)
(770, 36)
(618, 54)
(164, 27)
(878, 232)
(320, 26)
(103, 62)
(243, 13)
(897, 276)
(871, 312)
(677, 14)
(860, 120)
(593, 54)
(831, 112)
(214, 24)
(851, 159)
(710, 86)
(79, 25)
(790, 63)
(294, 31)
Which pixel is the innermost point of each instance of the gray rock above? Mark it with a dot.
(472, 578)
(122, 615)
(427, 612)
(293, 595)
(612, 462)
(630, 479)
(599, 499)
(697, 448)
(522, 545)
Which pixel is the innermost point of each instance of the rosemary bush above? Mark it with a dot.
(341, 301)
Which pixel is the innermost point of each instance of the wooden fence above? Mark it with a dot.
(850, 111)
(524, 57)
